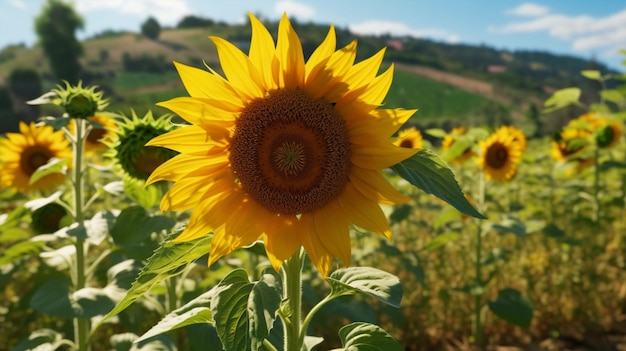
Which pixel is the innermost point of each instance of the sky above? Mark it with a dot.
(586, 29)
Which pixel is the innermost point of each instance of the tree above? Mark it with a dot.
(25, 83)
(151, 28)
(195, 22)
(56, 27)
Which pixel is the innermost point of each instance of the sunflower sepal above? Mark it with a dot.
(427, 171)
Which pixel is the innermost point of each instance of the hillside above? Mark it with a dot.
(447, 82)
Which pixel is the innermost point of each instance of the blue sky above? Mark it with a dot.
(588, 29)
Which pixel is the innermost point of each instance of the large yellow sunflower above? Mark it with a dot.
(499, 156)
(282, 149)
(410, 138)
(21, 154)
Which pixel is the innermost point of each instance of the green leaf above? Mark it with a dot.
(229, 306)
(122, 342)
(94, 230)
(38, 203)
(440, 240)
(54, 165)
(311, 341)
(53, 297)
(561, 98)
(263, 302)
(361, 336)
(513, 307)
(146, 196)
(400, 213)
(606, 165)
(134, 224)
(436, 132)
(510, 225)
(195, 311)
(552, 230)
(42, 339)
(21, 250)
(591, 74)
(378, 284)
(430, 173)
(168, 260)
(613, 95)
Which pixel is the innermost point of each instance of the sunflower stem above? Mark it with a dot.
(596, 185)
(478, 328)
(81, 325)
(292, 290)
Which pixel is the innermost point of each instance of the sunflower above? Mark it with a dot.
(127, 146)
(283, 150)
(499, 157)
(103, 127)
(410, 138)
(517, 135)
(608, 133)
(455, 135)
(21, 154)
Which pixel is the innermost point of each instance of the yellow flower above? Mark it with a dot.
(517, 135)
(410, 138)
(21, 154)
(102, 127)
(451, 138)
(282, 149)
(499, 156)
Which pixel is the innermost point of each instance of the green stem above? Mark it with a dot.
(478, 328)
(81, 325)
(596, 185)
(292, 290)
(310, 315)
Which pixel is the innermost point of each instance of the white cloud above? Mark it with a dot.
(165, 11)
(376, 27)
(295, 9)
(529, 9)
(18, 4)
(583, 32)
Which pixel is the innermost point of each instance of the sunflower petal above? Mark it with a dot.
(333, 229)
(282, 239)
(373, 185)
(363, 212)
(362, 73)
(262, 51)
(321, 55)
(379, 155)
(182, 164)
(188, 139)
(233, 236)
(320, 256)
(242, 75)
(200, 83)
(290, 57)
(329, 78)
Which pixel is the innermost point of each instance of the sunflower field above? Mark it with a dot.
(281, 206)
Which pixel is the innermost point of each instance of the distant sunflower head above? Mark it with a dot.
(282, 149)
(21, 154)
(128, 148)
(517, 135)
(608, 133)
(569, 142)
(79, 102)
(102, 127)
(410, 138)
(48, 218)
(456, 142)
(499, 156)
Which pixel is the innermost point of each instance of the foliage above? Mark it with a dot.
(151, 28)
(192, 21)
(25, 83)
(56, 26)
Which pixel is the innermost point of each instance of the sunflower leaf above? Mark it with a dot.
(168, 260)
(54, 165)
(42, 339)
(427, 171)
(383, 286)
(195, 311)
(513, 307)
(229, 306)
(366, 337)
(561, 98)
(263, 303)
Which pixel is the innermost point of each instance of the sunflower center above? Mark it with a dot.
(291, 153)
(95, 135)
(407, 144)
(497, 155)
(33, 158)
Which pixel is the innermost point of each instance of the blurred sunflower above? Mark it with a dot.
(21, 154)
(456, 135)
(517, 136)
(608, 133)
(128, 148)
(282, 149)
(410, 138)
(103, 127)
(499, 156)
